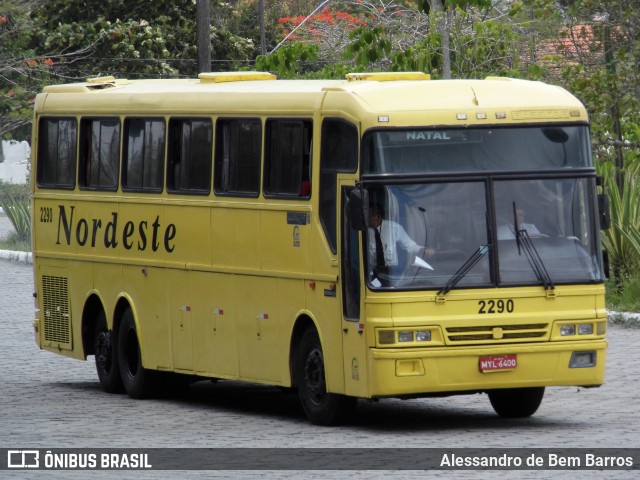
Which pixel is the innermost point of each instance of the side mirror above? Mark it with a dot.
(603, 211)
(359, 208)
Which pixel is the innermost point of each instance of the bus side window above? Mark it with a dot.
(338, 153)
(288, 158)
(57, 142)
(189, 155)
(99, 153)
(238, 155)
(143, 154)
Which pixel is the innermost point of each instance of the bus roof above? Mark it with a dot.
(389, 98)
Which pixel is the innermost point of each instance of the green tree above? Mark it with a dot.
(600, 53)
(45, 42)
(22, 72)
(443, 13)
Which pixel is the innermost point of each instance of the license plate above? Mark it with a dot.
(496, 363)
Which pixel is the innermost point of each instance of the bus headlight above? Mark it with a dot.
(579, 329)
(405, 336)
(585, 329)
(386, 337)
(408, 337)
(423, 336)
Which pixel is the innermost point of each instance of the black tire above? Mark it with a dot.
(138, 382)
(321, 407)
(106, 356)
(516, 402)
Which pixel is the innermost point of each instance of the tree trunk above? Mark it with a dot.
(442, 18)
(203, 26)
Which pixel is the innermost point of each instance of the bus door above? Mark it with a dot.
(353, 327)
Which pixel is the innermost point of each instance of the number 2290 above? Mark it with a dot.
(496, 306)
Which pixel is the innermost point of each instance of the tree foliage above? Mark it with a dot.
(591, 47)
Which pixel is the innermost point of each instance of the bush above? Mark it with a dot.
(14, 200)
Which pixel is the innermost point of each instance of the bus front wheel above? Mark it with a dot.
(321, 407)
(516, 402)
(138, 382)
(106, 355)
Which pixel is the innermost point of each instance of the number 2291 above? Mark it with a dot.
(496, 306)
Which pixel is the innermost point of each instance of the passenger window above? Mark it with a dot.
(238, 155)
(143, 163)
(189, 155)
(288, 158)
(57, 143)
(99, 153)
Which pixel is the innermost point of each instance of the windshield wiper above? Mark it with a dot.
(464, 269)
(524, 242)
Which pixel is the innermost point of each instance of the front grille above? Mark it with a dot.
(497, 333)
(57, 324)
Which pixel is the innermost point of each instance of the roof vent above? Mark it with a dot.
(99, 83)
(387, 76)
(220, 77)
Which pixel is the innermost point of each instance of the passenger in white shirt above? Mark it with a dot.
(506, 230)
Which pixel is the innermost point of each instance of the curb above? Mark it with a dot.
(625, 318)
(16, 256)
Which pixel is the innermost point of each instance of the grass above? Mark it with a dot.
(624, 296)
(13, 242)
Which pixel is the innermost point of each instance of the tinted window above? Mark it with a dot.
(99, 153)
(189, 155)
(57, 152)
(238, 154)
(288, 158)
(143, 154)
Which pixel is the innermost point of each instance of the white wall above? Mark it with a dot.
(14, 161)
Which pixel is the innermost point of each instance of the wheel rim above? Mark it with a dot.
(103, 351)
(314, 376)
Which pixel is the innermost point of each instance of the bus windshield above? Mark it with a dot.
(482, 233)
(416, 151)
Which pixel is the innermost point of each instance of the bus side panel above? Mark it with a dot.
(184, 236)
(285, 241)
(146, 288)
(259, 346)
(215, 346)
(291, 293)
(180, 317)
(235, 237)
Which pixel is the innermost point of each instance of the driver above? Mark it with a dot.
(384, 238)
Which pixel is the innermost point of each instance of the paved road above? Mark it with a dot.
(49, 401)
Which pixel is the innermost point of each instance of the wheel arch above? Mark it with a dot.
(123, 304)
(93, 305)
(303, 322)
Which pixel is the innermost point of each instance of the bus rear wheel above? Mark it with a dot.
(516, 402)
(321, 407)
(106, 355)
(138, 382)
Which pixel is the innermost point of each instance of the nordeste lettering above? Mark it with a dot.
(90, 232)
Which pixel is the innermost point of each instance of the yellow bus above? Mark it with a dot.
(385, 235)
